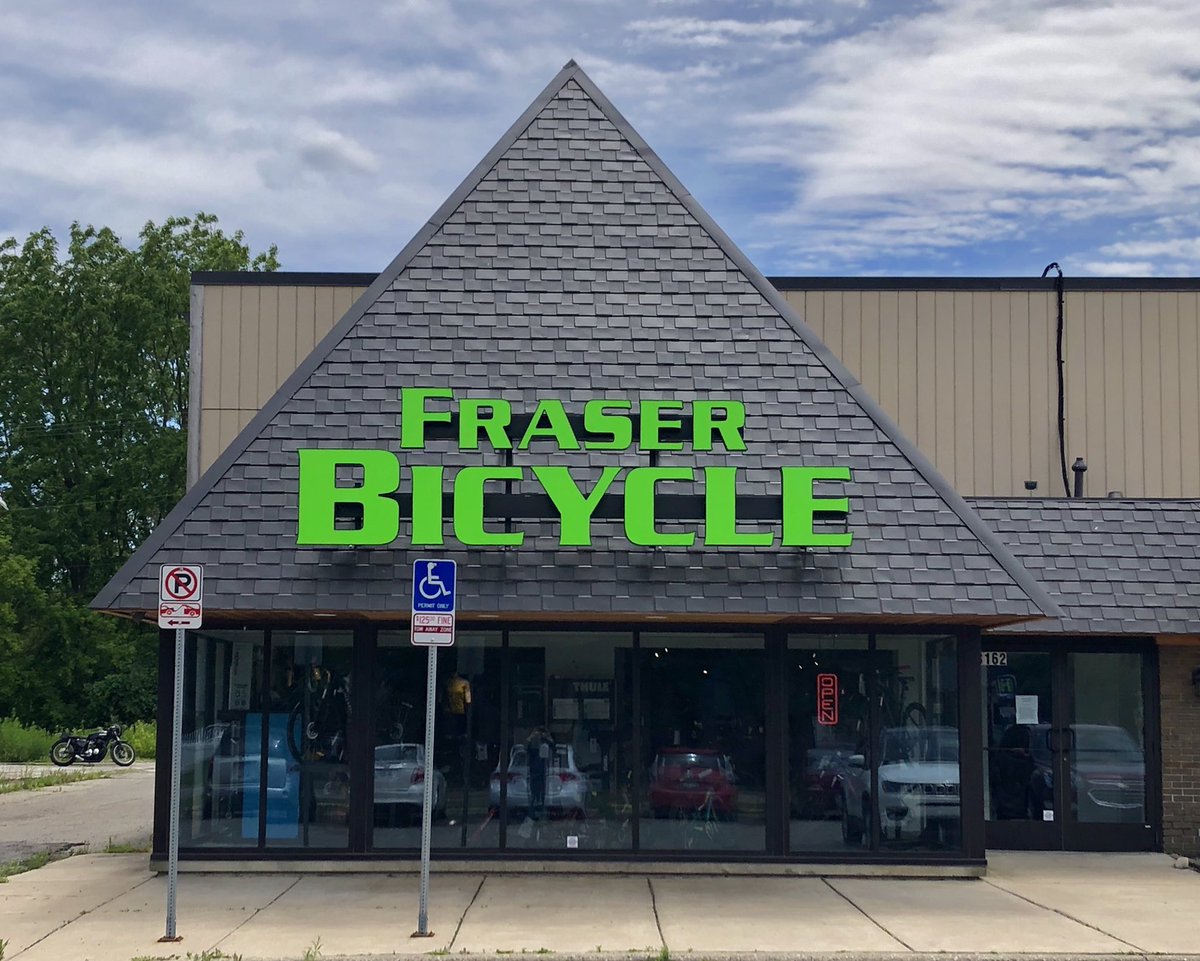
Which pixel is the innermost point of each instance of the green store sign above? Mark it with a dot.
(607, 424)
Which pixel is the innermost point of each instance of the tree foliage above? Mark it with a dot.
(93, 411)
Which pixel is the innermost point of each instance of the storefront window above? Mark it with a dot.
(568, 783)
(703, 730)
(466, 747)
(308, 769)
(829, 746)
(917, 761)
(1105, 738)
(222, 743)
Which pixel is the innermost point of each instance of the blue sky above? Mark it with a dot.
(827, 136)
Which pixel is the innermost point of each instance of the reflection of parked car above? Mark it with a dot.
(685, 779)
(199, 747)
(400, 777)
(817, 794)
(918, 782)
(235, 776)
(1108, 773)
(566, 786)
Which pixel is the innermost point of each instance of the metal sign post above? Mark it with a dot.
(433, 604)
(180, 600)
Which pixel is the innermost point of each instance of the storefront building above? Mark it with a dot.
(714, 604)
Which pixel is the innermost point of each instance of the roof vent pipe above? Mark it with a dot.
(1080, 468)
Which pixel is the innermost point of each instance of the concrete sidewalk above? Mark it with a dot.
(110, 908)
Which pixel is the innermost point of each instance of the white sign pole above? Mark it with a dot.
(435, 584)
(180, 606)
(176, 774)
(427, 803)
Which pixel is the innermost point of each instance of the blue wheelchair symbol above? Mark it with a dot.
(433, 585)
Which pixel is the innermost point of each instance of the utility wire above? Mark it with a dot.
(1061, 369)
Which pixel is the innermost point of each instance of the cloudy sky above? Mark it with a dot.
(827, 136)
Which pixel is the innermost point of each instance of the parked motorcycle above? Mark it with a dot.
(92, 748)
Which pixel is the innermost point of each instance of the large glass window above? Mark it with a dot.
(308, 723)
(1105, 738)
(568, 779)
(829, 745)
(703, 715)
(222, 742)
(466, 746)
(917, 761)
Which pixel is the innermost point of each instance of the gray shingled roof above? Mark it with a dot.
(571, 263)
(1113, 566)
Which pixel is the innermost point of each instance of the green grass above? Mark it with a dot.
(142, 737)
(31, 782)
(313, 951)
(23, 743)
(31, 863)
(113, 847)
(20, 743)
(213, 954)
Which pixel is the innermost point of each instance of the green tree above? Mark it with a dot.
(93, 410)
(93, 387)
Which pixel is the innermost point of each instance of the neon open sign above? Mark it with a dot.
(827, 700)
(604, 425)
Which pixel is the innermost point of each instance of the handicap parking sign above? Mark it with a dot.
(433, 586)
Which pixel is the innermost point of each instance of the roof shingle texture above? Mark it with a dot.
(1113, 566)
(572, 270)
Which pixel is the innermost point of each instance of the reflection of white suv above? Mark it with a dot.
(400, 777)
(918, 782)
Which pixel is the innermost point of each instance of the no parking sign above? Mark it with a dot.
(180, 596)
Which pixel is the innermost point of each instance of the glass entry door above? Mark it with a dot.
(1065, 749)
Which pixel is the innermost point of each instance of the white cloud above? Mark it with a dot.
(701, 32)
(825, 135)
(979, 120)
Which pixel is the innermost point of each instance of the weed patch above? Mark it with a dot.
(20, 743)
(33, 782)
(115, 847)
(31, 863)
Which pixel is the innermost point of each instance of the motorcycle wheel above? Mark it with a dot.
(61, 752)
(122, 753)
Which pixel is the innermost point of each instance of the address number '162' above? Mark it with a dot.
(995, 658)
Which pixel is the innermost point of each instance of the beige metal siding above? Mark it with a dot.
(969, 377)
(252, 338)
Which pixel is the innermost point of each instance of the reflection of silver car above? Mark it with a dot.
(566, 787)
(918, 782)
(400, 777)
(234, 777)
(199, 747)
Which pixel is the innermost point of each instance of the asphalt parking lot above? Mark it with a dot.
(77, 817)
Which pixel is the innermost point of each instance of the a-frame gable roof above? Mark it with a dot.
(572, 263)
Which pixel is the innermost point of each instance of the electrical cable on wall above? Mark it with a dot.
(1062, 392)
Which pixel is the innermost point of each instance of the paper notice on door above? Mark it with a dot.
(1027, 709)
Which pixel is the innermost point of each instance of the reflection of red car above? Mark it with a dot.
(689, 779)
(818, 794)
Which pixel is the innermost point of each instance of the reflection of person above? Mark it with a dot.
(539, 749)
(458, 704)
(458, 694)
